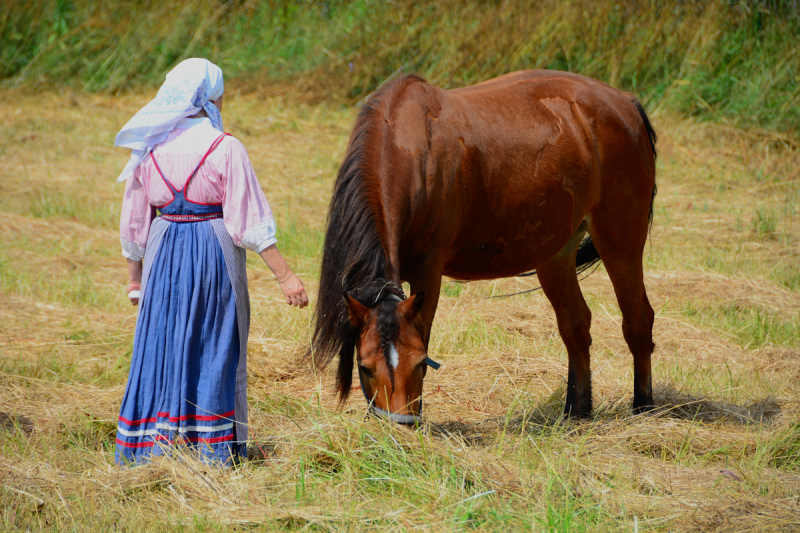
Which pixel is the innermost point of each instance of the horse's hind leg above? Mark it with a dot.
(621, 246)
(560, 284)
(637, 322)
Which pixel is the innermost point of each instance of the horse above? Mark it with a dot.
(534, 170)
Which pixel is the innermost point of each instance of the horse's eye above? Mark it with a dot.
(365, 370)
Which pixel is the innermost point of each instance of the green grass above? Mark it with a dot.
(74, 202)
(73, 285)
(451, 289)
(788, 276)
(748, 326)
(720, 60)
(765, 222)
(783, 451)
(297, 239)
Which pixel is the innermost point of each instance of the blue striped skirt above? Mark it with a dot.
(188, 376)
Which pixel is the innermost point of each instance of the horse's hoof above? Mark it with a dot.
(642, 409)
(571, 411)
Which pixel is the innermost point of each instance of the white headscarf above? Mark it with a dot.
(190, 87)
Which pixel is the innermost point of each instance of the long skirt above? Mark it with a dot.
(188, 378)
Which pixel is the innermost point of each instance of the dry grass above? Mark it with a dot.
(721, 453)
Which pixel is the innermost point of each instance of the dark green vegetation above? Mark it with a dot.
(721, 60)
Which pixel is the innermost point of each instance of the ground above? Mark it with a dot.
(722, 451)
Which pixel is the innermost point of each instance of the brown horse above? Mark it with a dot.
(484, 182)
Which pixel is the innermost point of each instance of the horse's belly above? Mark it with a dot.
(512, 234)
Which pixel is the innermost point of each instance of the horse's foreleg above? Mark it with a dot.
(560, 285)
(428, 278)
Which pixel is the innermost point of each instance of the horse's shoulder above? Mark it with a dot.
(414, 115)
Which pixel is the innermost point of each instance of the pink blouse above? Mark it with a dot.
(226, 177)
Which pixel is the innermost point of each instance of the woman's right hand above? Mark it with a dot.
(134, 290)
(292, 287)
(293, 291)
(134, 280)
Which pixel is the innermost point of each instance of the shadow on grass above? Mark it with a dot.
(10, 422)
(546, 417)
(673, 403)
(260, 452)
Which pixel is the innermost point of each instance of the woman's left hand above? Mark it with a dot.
(293, 291)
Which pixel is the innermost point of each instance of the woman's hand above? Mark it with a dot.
(292, 287)
(293, 291)
(134, 289)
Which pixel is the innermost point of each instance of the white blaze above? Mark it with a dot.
(394, 358)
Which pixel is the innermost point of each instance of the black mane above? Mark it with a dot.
(353, 253)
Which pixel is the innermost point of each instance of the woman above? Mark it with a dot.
(188, 377)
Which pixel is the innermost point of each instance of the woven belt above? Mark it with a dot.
(191, 218)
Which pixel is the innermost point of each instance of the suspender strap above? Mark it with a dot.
(208, 153)
(166, 181)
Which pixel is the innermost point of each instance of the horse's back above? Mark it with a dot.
(538, 94)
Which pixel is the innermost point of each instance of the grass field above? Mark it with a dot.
(718, 59)
(722, 452)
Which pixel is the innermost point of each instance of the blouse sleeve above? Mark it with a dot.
(246, 212)
(137, 214)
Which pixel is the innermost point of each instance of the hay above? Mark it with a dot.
(719, 453)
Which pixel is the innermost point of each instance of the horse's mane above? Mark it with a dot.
(354, 249)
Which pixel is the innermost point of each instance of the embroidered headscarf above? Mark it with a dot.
(190, 87)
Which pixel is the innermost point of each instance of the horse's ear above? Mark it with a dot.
(410, 308)
(358, 311)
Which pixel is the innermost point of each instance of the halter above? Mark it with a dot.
(390, 291)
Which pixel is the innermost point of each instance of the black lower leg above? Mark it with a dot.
(579, 397)
(642, 397)
(642, 384)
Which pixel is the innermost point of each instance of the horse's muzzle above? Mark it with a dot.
(406, 420)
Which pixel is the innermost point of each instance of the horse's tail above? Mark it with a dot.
(587, 254)
(651, 133)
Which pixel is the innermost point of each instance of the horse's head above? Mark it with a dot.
(391, 355)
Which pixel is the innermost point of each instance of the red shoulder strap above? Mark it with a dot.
(166, 181)
(208, 153)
